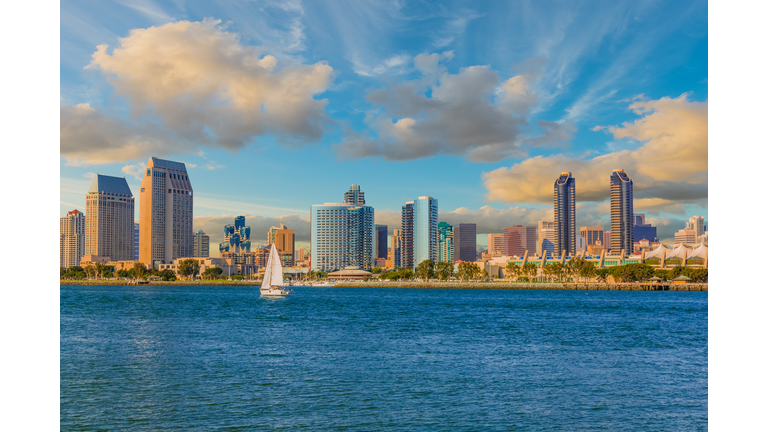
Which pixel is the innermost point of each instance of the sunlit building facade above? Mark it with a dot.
(71, 238)
(565, 214)
(424, 230)
(465, 242)
(237, 237)
(444, 242)
(622, 213)
(341, 236)
(109, 224)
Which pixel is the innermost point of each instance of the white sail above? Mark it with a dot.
(273, 276)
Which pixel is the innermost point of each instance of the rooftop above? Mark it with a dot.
(110, 185)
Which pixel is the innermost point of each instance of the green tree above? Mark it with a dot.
(444, 270)
(167, 275)
(512, 270)
(587, 270)
(189, 267)
(139, 270)
(530, 270)
(212, 272)
(465, 271)
(124, 273)
(90, 271)
(376, 270)
(602, 274)
(425, 270)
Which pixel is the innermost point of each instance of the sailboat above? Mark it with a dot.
(272, 285)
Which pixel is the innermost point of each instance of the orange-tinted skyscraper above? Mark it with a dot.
(109, 230)
(565, 214)
(165, 220)
(622, 213)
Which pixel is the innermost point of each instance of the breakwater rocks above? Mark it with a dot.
(527, 285)
(161, 283)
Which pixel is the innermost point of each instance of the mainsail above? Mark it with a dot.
(273, 276)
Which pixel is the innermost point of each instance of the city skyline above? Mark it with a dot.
(571, 103)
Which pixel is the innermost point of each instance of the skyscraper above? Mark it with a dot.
(497, 244)
(593, 234)
(520, 239)
(109, 228)
(354, 196)
(444, 242)
(406, 245)
(546, 239)
(622, 211)
(342, 235)
(696, 223)
(202, 245)
(237, 237)
(380, 241)
(565, 214)
(642, 230)
(135, 242)
(285, 243)
(397, 241)
(165, 230)
(424, 230)
(465, 242)
(71, 238)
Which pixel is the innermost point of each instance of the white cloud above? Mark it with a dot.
(137, 171)
(204, 87)
(90, 175)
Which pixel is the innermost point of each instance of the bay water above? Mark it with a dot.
(222, 358)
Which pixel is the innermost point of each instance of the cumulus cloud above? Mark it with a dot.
(471, 113)
(669, 168)
(204, 87)
(137, 171)
(214, 227)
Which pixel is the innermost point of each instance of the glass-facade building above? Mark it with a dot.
(341, 236)
(444, 242)
(380, 241)
(406, 244)
(237, 237)
(622, 215)
(135, 241)
(424, 230)
(565, 214)
(465, 242)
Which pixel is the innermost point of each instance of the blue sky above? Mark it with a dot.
(276, 106)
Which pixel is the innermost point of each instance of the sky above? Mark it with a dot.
(275, 106)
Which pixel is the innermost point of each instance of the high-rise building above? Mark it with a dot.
(465, 242)
(395, 249)
(622, 211)
(285, 243)
(135, 241)
(565, 214)
(546, 238)
(444, 242)
(642, 230)
(607, 242)
(300, 256)
(380, 241)
(165, 231)
(424, 230)
(593, 234)
(342, 235)
(202, 245)
(496, 244)
(71, 239)
(406, 245)
(237, 237)
(685, 235)
(696, 223)
(109, 226)
(354, 196)
(519, 240)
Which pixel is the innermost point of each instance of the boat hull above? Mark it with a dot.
(273, 292)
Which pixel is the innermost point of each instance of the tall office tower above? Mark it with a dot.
(424, 230)
(109, 219)
(397, 242)
(406, 245)
(696, 223)
(593, 234)
(519, 240)
(685, 235)
(135, 241)
(444, 242)
(622, 211)
(237, 237)
(300, 256)
(71, 238)
(642, 230)
(285, 243)
(565, 214)
(607, 242)
(341, 235)
(272, 231)
(202, 245)
(165, 231)
(380, 241)
(546, 240)
(354, 196)
(465, 242)
(496, 244)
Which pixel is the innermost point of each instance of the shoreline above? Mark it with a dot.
(435, 285)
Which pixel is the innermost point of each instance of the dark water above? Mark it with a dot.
(200, 358)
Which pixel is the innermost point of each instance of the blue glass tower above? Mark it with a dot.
(424, 230)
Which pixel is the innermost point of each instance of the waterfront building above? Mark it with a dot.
(272, 231)
(424, 230)
(645, 245)
(445, 248)
(71, 238)
(202, 245)
(395, 250)
(341, 236)
(687, 236)
(696, 223)
(622, 211)
(354, 196)
(546, 238)
(565, 214)
(165, 231)
(496, 244)
(300, 256)
(406, 244)
(135, 241)
(284, 240)
(607, 241)
(595, 249)
(109, 225)
(592, 234)
(643, 230)
(380, 241)
(519, 240)
(465, 242)
(237, 237)
(581, 244)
